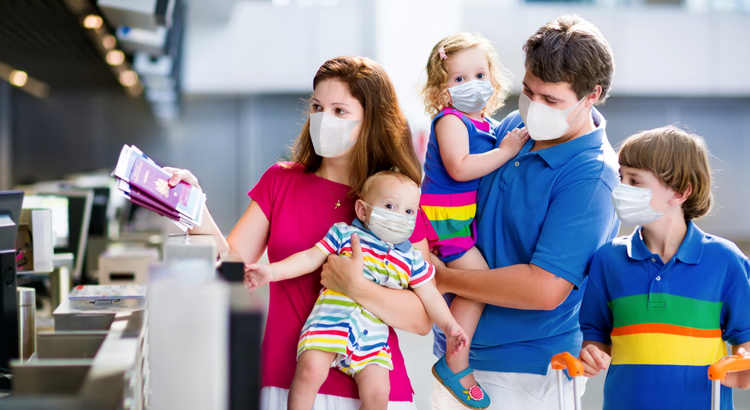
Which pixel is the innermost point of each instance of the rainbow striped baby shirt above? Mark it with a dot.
(666, 322)
(337, 323)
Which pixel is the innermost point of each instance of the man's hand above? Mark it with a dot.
(342, 274)
(594, 359)
(739, 379)
(257, 275)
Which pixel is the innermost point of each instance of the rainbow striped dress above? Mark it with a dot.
(450, 205)
(337, 323)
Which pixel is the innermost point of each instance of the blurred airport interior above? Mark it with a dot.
(219, 87)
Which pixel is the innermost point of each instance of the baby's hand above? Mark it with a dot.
(594, 360)
(257, 275)
(455, 338)
(514, 140)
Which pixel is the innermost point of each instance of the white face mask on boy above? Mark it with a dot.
(330, 134)
(390, 226)
(543, 122)
(633, 205)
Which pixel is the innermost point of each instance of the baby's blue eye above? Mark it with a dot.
(409, 211)
(480, 76)
(459, 79)
(389, 206)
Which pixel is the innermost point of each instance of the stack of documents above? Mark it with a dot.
(145, 183)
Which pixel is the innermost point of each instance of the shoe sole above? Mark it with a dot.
(434, 373)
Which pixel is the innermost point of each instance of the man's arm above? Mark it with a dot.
(516, 286)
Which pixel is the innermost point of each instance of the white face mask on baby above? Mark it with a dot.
(390, 226)
(330, 134)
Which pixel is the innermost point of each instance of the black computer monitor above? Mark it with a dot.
(10, 214)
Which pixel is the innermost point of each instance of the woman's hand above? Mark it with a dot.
(179, 175)
(342, 274)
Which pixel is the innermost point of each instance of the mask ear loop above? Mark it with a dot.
(579, 112)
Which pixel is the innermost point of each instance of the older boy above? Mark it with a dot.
(662, 301)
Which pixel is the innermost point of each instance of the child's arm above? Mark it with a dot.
(453, 140)
(739, 379)
(257, 275)
(434, 304)
(595, 357)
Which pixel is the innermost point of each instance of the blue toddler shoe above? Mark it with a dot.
(474, 397)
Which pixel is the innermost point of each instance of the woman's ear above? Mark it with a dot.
(361, 210)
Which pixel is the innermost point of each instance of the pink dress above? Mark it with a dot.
(300, 208)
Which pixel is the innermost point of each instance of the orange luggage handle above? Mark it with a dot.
(736, 363)
(565, 360)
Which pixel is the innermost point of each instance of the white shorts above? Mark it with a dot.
(513, 391)
(275, 398)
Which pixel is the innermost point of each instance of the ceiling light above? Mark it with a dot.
(109, 42)
(92, 21)
(18, 78)
(115, 57)
(128, 78)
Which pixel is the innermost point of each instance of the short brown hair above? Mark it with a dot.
(678, 158)
(571, 50)
(373, 179)
(435, 91)
(385, 140)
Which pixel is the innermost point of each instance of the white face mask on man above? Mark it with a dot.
(543, 122)
(633, 205)
(331, 135)
(390, 226)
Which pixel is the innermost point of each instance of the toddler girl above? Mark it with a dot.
(465, 84)
(340, 333)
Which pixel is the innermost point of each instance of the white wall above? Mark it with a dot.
(659, 51)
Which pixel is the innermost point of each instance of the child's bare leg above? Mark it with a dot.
(311, 372)
(467, 313)
(374, 387)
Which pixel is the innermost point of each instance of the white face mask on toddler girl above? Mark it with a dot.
(471, 96)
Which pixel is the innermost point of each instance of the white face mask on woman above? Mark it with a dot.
(471, 96)
(543, 122)
(331, 135)
(390, 226)
(633, 205)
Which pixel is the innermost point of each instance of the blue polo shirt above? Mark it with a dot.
(551, 208)
(666, 322)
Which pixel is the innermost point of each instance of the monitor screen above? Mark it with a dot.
(73, 222)
(58, 204)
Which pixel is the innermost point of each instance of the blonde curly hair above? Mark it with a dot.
(435, 91)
